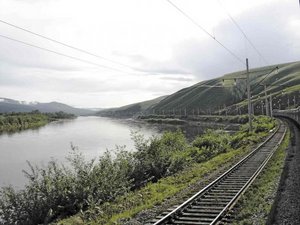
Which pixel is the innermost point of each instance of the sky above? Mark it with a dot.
(145, 48)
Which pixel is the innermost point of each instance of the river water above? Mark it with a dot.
(92, 135)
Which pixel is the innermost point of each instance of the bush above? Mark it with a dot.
(209, 145)
(10, 122)
(156, 157)
(56, 191)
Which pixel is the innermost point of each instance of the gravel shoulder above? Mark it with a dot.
(287, 205)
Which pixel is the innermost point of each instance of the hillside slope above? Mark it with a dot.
(132, 109)
(214, 95)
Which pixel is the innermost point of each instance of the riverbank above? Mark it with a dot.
(13, 122)
(92, 135)
(231, 123)
(101, 190)
(240, 119)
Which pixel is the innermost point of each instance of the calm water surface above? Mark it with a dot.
(92, 135)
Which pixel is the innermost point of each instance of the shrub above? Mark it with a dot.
(212, 141)
(157, 157)
(56, 191)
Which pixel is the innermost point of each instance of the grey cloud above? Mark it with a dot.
(266, 28)
(176, 78)
(22, 56)
(152, 67)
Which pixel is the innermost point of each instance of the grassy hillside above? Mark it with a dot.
(132, 109)
(226, 93)
(202, 97)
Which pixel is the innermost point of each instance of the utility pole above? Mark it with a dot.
(249, 96)
(271, 106)
(266, 101)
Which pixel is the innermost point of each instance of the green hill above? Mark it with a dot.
(219, 93)
(224, 94)
(132, 109)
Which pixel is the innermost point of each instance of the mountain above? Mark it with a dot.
(132, 109)
(10, 105)
(219, 93)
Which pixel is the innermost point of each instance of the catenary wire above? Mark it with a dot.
(242, 31)
(205, 31)
(267, 74)
(67, 45)
(62, 54)
(276, 68)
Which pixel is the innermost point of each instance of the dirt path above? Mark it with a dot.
(286, 210)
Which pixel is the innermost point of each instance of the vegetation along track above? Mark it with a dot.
(211, 204)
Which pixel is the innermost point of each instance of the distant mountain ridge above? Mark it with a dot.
(10, 105)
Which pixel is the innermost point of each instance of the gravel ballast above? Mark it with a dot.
(286, 210)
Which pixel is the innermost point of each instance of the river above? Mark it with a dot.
(92, 135)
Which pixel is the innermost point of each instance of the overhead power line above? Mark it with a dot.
(67, 45)
(205, 31)
(62, 54)
(243, 33)
(266, 75)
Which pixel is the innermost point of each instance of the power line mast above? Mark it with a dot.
(266, 101)
(249, 96)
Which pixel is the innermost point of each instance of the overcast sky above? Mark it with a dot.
(164, 51)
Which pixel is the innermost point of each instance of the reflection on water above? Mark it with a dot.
(92, 135)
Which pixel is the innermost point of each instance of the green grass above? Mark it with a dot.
(199, 96)
(15, 122)
(292, 89)
(155, 193)
(255, 206)
(120, 183)
(127, 206)
(206, 98)
(176, 119)
(130, 109)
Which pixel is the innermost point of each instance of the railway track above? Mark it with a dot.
(212, 203)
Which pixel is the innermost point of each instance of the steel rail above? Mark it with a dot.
(249, 182)
(178, 209)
